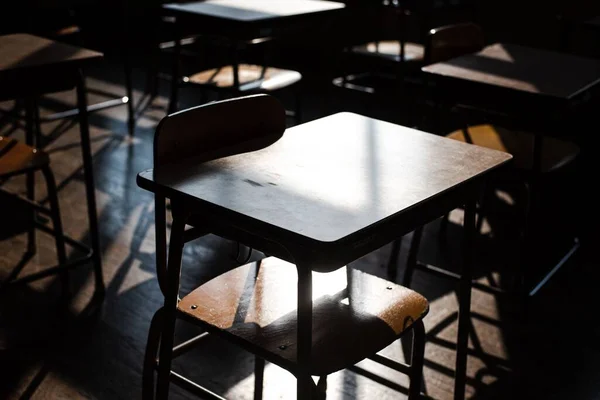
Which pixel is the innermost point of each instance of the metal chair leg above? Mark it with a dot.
(89, 183)
(173, 101)
(58, 228)
(151, 355)
(305, 385)
(30, 179)
(321, 392)
(37, 123)
(160, 226)
(525, 254)
(171, 299)
(392, 266)
(259, 374)
(464, 305)
(417, 360)
(413, 253)
(129, 89)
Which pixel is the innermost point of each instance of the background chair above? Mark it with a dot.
(231, 127)
(18, 159)
(245, 69)
(455, 40)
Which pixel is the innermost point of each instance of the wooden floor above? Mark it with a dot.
(550, 351)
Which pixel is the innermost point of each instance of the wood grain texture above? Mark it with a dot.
(17, 157)
(332, 177)
(524, 69)
(251, 77)
(555, 152)
(255, 10)
(257, 303)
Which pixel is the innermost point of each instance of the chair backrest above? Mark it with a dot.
(219, 129)
(452, 41)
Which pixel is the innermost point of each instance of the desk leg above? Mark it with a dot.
(305, 384)
(171, 298)
(464, 305)
(90, 188)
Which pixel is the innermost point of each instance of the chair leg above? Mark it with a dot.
(58, 229)
(88, 171)
(259, 374)
(30, 179)
(305, 387)
(392, 267)
(525, 252)
(151, 355)
(160, 226)
(174, 99)
(171, 299)
(129, 89)
(413, 254)
(321, 392)
(417, 359)
(38, 128)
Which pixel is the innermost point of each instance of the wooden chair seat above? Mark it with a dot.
(251, 78)
(390, 49)
(17, 158)
(555, 153)
(256, 303)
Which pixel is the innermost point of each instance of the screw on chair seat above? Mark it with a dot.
(390, 49)
(251, 78)
(17, 158)
(556, 153)
(256, 304)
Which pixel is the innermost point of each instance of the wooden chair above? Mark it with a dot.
(455, 40)
(376, 311)
(19, 159)
(237, 78)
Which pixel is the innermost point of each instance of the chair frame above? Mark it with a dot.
(161, 333)
(92, 251)
(235, 46)
(57, 231)
(531, 182)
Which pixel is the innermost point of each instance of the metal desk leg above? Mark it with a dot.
(171, 298)
(305, 384)
(90, 187)
(464, 306)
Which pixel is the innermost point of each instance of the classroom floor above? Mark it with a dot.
(549, 351)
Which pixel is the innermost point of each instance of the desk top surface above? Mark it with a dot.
(331, 177)
(24, 51)
(254, 10)
(524, 69)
